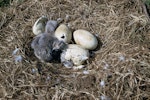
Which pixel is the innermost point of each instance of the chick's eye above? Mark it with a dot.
(55, 50)
(63, 37)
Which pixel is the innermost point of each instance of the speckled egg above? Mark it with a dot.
(39, 25)
(85, 39)
(63, 33)
(74, 55)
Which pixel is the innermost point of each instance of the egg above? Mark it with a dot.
(74, 55)
(85, 39)
(63, 33)
(39, 25)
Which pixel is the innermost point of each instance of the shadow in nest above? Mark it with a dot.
(29, 52)
(147, 5)
(81, 96)
(4, 3)
(92, 52)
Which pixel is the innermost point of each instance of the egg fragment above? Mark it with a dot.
(74, 55)
(63, 33)
(85, 39)
(39, 25)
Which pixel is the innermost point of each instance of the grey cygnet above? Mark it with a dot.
(51, 25)
(46, 46)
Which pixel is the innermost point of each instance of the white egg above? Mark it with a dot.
(85, 39)
(39, 25)
(74, 55)
(63, 33)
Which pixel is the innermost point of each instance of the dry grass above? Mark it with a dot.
(122, 63)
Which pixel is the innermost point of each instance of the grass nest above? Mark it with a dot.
(119, 70)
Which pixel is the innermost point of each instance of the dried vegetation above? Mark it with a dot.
(120, 69)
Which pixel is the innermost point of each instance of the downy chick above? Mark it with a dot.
(46, 46)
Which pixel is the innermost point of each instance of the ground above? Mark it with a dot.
(119, 70)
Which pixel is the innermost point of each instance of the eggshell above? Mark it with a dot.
(85, 39)
(63, 33)
(39, 25)
(75, 54)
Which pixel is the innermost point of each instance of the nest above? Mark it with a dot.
(119, 70)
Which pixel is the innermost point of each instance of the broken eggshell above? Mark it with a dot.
(85, 39)
(39, 25)
(63, 33)
(74, 55)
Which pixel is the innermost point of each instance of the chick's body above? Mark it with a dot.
(51, 25)
(47, 47)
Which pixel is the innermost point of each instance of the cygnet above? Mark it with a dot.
(47, 48)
